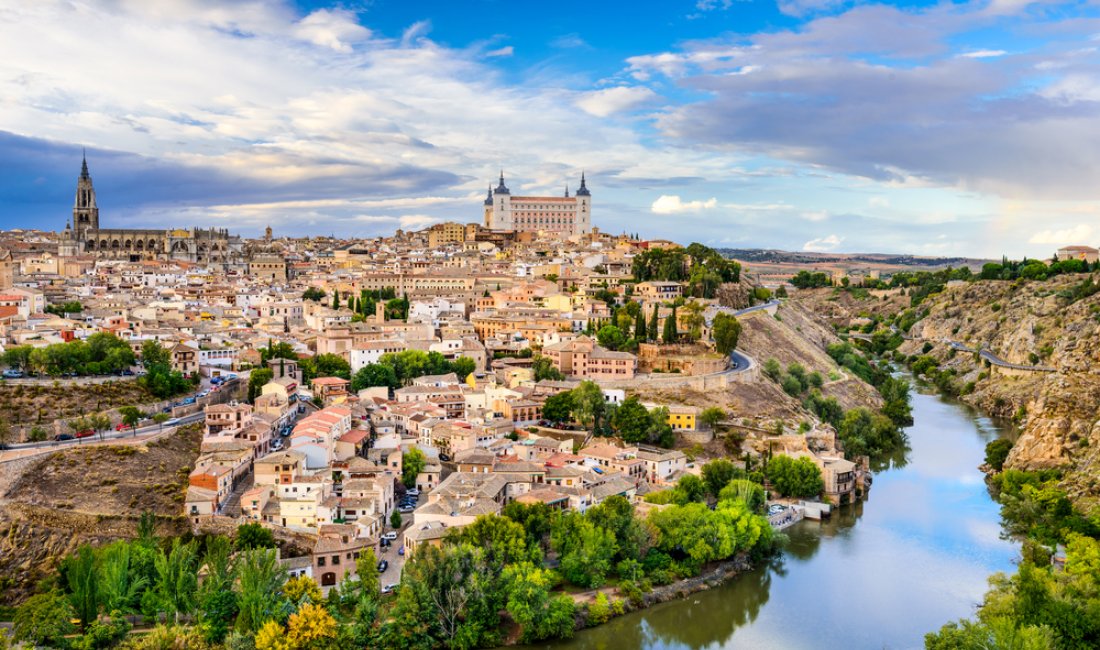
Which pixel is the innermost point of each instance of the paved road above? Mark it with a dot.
(739, 362)
(762, 306)
(997, 361)
(108, 435)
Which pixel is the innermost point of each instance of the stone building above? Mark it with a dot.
(565, 215)
(83, 236)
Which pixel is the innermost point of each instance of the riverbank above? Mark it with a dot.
(918, 553)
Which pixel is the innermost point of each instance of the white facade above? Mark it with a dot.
(566, 215)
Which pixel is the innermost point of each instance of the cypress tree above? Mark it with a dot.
(669, 335)
(335, 299)
(640, 327)
(653, 325)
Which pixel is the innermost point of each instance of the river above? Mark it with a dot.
(913, 556)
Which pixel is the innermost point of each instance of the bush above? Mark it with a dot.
(996, 452)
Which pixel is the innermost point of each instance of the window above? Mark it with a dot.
(320, 561)
(335, 560)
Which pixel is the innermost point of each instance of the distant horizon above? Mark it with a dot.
(958, 129)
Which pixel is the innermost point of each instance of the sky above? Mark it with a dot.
(945, 128)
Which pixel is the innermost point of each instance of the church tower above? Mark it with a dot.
(85, 212)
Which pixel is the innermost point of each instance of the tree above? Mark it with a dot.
(44, 620)
(315, 294)
(280, 350)
(693, 488)
(335, 299)
(718, 473)
(530, 605)
(395, 520)
(611, 337)
(640, 332)
(747, 492)
(217, 600)
(795, 477)
(83, 580)
(462, 367)
(589, 405)
(130, 416)
(301, 590)
(651, 331)
(412, 463)
(544, 369)
(260, 582)
(176, 584)
(712, 416)
(161, 418)
(257, 379)
(695, 319)
(374, 374)
(534, 517)
(669, 335)
(558, 407)
(311, 628)
(120, 584)
(996, 452)
(726, 331)
(586, 550)
(632, 420)
(325, 365)
(254, 535)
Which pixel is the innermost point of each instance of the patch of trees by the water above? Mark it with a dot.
(217, 592)
(1052, 601)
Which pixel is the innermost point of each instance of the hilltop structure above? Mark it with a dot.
(566, 215)
(83, 236)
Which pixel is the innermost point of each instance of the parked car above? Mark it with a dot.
(406, 509)
(401, 551)
(127, 373)
(87, 433)
(384, 543)
(171, 423)
(121, 426)
(187, 401)
(382, 566)
(412, 492)
(277, 445)
(444, 457)
(63, 436)
(387, 589)
(390, 535)
(13, 374)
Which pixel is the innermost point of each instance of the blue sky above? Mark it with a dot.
(965, 128)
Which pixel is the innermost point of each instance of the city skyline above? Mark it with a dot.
(961, 129)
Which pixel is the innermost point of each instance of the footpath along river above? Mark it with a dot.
(915, 555)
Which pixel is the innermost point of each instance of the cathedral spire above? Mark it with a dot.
(583, 189)
(567, 190)
(502, 188)
(84, 163)
(489, 196)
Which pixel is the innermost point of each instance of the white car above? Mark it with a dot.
(171, 423)
(413, 492)
(388, 589)
(390, 536)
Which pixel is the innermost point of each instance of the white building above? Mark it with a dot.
(565, 215)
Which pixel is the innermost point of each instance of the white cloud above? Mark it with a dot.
(823, 244)
(983, 54)
(815, 215)
(507, 50)
(335, 29)
(602, 103)
(671, 204)
(1079, 234)
(416, 31)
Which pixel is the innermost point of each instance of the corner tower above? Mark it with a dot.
(583, 223)
(85, 211)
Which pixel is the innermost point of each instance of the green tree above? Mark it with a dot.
(651, 330)
(501, 541)
(412, 463)
(726, 331)
(670, 335)
(530, 604)
(395, 520)
(750, 493)
(712, 416)
(217, 599)
(176, 584)
(544, 369)
(315, 294)
(130, 416)
(161, 418)
(535, 518)
(632, 420)
(254, 535)
(374, 374)
(586, 550)
(589, 405)
(718, 473)
(280, 350)
(325, 365)
(82, 577)
(257, 379)
(260, 583)
(44, 620)
(558, 407)
(793, 477)
(996, 452)
(640, 331)
(120, 584)
(611, 337)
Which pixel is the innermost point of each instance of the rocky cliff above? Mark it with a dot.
(1041, 324)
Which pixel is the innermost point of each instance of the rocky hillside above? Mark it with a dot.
(1054, 324)
(52, 504)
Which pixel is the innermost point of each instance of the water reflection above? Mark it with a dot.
(879, 574)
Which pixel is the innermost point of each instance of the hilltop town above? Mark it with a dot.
(381, 394)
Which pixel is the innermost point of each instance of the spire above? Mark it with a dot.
(502, 188)
(567, 190)
(489, 196)
(84, 163)
(583, 190)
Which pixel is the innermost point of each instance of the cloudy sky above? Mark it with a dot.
(952, 128)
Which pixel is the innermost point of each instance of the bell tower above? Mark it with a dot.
(85, 211)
